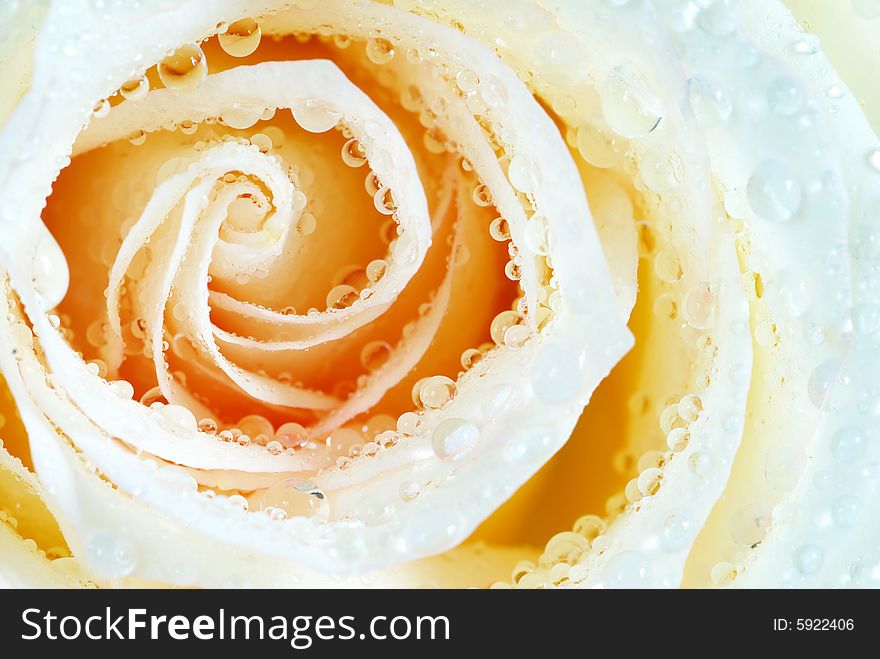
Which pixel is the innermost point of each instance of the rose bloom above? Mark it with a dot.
(316, 293)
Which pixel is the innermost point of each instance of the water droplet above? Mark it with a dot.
(375, 354)
(291, 435)
(667, 265)
(629, 105)
(661, 168)
(101, 109)
(110, 555)
(453, 438)
(184, 69)
(848, 444)
(435, 392)
(384, 202)
(307, 224)
(749, 524)
(784, 96)
(808, 559)
(710, 106)
(845, 511)
(241, 38)
(676, 532)
(135, 89)
(380, 51)
(178, 416)
(600, 146)
(315, 118)
(353, 153)
(342, 297)
(376, 270)
(773, 191)
(698, 307)
(122, 388)
(482, 195)
(208, 425)
(556, 375)
(297, 498)
(788, 293)
(628, 569)
(829, 386)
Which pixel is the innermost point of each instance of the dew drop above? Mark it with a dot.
(135, 89)
(845, 511)
(341, 297)
(784, 97)
(628, 103)
(384, 202)
(241, 38)
(848, 445)
(749, 524)
(376, 270)
(306, 224)
(375, 354)
(600, 146)
(297, 498)
(379, 51)
(453, 438)
(315, 118)
(184, 69)
(499, 229)
(628, 569)
(661, 168)
(178, 416)
(436, 392)
(773, 191)
(101, 109)
(807, 559)
(353, 153)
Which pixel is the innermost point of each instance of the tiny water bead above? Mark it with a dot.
(291, 435)
(503, 322)
(499, 229)
(774, 192)
(384, 202)
(848, 445)
(808, 559)
(375, 354)
(307, 224)
(341, 297)
(184, 69)
(297, 498)
(379, 51)
(784, 96)
(453, 438)
(241, 38)
(101, 109)
(376, 270)
(135, 89)
(353, 153)
(661, 168)
(436, 392)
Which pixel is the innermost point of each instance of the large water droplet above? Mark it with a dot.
(184, 69)
(241, 37)
(297, 498)
(773, 191)
(629, 105)
(453, 438)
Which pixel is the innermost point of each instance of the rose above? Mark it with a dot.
(197, 237)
